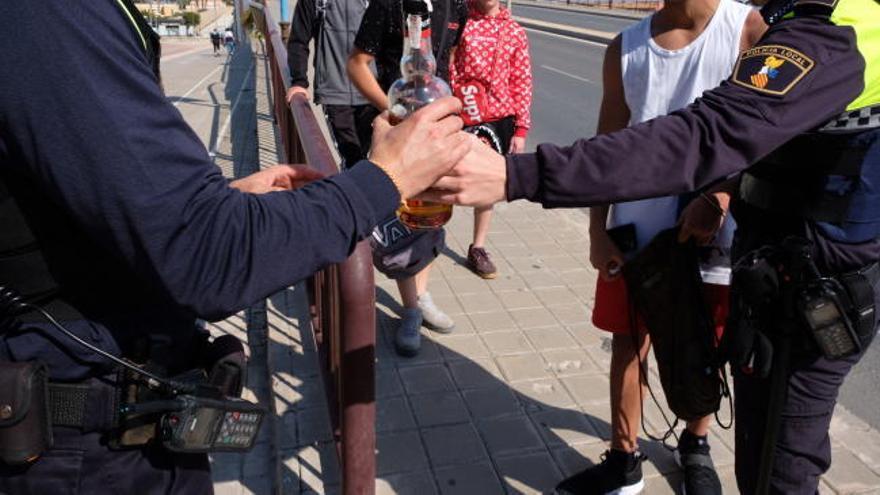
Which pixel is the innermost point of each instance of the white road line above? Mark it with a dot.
(558, 71)
(179, 99)
(567, 38)
(213, 152)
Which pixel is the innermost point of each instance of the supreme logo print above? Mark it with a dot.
(772, 69)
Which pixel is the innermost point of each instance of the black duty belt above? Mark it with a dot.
(767, 195)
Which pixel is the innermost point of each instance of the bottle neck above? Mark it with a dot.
(418, 56)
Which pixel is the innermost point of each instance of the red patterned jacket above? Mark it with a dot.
(495, 52)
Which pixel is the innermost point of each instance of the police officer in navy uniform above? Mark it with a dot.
(810, 90)
(114, 220)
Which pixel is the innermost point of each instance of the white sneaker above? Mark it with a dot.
(434, 317)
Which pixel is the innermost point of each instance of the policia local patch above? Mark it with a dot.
(771, 69)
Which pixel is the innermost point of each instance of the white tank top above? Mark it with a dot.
(657, 81)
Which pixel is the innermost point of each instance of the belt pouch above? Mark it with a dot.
(25, 427)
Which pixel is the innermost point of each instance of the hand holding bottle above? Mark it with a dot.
(422, 148)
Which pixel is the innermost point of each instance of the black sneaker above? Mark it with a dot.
(700, 477)
(619, 473)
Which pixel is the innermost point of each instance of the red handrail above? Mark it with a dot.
(342, 297)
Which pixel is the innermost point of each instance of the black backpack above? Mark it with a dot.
(666, 290)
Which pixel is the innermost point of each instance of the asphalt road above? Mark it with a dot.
(573, 18)
(567, 88)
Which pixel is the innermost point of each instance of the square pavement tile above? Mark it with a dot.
(453, 445)
(542, 279)
(587, 335)
(568, 362)
(502, 343)
(313, 425)
(556, 296)
(545, 339)
(520, 367)
(476, 373)
(428, 354)
(587, 389)
(599, 413)
(563, 262)
(570, 314)
(491, 402)
(548, 393)
(496, 321)
(462, 347)
(388, 383)
(484, 302)
(533, 318)
(532, 474)
(439, 408)
(426, 379)
(564, 427)
(601, 352)
(415, 483)
(507, 281)
(469, 480)
(509, 435)
(393, 414)
(319, 465)
(518, 299)
(848, 474)
(400, 452)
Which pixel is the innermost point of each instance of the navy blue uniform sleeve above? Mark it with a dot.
(106, 144)
(303, 28)
(722, 133)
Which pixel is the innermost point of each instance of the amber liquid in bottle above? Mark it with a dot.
(418, 87)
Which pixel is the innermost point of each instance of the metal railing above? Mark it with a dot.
(342, 297)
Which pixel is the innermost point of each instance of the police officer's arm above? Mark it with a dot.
(724, 132)
(721, 134)
(303, 28)
(109, 148)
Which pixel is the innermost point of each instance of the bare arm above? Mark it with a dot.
(613, 115)
(363, 79)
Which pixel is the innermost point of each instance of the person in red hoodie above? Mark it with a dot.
(491, 73)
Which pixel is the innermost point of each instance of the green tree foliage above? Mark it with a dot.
(191, 18)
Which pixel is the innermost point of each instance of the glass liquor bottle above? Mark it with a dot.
(418, 87)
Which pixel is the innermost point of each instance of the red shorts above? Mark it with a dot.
(611, 309)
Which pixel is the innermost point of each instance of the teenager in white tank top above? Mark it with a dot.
(657, 81)
(643, 80)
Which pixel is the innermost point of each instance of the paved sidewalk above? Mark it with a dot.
(513, 401)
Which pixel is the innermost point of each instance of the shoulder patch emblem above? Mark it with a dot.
(771, 69)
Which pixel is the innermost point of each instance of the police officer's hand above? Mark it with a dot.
(702, 219)
(479, 179)
(749, 349)
(422, 148)
(277, 178)
(604, 255)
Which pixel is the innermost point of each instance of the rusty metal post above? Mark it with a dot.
(358, 385)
